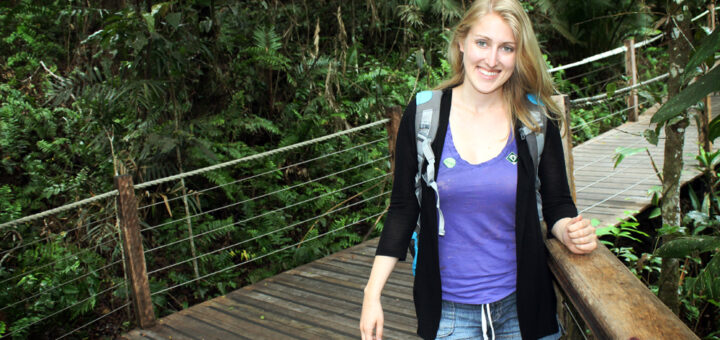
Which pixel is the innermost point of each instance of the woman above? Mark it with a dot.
(487, 276)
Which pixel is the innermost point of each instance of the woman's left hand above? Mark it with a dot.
(576, 233)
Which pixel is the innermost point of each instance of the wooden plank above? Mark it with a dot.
(257, 327)
(306, 328)
(332, 314)
(291, 312)
(336, 305)
(185, 322)
(611, 300)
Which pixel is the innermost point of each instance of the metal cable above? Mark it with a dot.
(265, 173)
(52, 263)
(615, 51)
(580, 329)
(592, 71)
(66, 308)
(94, 321)
(263, 214)
(58, 286)
(258, 156)
(114, 193)
(266, 234)
(263, 195)
(584, 101)
(608, 116)
(51, 236)
(597, 83)
(66, 207)
(265, 255)
(616, 194)
(599, 159)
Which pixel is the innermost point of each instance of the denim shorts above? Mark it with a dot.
(463, 321)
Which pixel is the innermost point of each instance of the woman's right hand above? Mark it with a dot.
(372, 319)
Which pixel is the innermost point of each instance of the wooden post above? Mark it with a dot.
(707, 113)
(563, 102)
(631, 71)
(395, 115)
(135, 256)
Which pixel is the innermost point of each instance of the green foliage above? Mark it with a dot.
(175, 86)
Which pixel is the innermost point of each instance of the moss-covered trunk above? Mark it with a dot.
(678, 29)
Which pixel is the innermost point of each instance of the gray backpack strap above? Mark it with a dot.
(536, 142)
(427, 117)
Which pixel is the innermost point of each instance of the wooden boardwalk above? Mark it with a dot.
(322, 300)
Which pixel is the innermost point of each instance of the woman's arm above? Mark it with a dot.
(372, 318)
(559, 210)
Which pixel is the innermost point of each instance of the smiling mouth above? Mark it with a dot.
(489, 73)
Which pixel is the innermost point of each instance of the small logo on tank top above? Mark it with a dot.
(512, 158)
(449, 162)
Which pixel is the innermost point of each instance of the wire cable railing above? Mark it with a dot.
(113, 193)
(267, 234)
(266, 255)
(579, 126)
(16, 331)
(48, 290)
(269, 212)
(49, 237)
(95, 320)
(266, 195)
(267, 172)
(86, 250)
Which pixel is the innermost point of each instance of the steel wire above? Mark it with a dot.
(114, 193)
(49, 237)
(264, 255)
(263, 195)
(573, 128)
(60, 285)
(618, 193)
(264, 173)
(263, 214)
(592, 71)
(66, 308)
(94, 321)
(54, 262)
(266, 234)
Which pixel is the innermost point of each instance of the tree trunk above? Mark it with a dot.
(678, 29)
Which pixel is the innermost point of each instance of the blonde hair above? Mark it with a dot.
(530, 75)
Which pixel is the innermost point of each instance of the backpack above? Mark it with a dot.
(427, 109)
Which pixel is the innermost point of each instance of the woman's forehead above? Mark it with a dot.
(492, 26)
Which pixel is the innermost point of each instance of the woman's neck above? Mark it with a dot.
(476, 102)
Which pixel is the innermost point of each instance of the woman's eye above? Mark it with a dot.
(508, 49)
(481, 43)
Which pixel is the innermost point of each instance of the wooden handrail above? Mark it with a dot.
(613, 303)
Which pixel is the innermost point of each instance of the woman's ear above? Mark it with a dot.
(460, 45)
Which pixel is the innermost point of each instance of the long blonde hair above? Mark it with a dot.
(530, 75)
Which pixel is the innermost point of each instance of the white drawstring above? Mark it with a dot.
(484, 323)
(492, 329)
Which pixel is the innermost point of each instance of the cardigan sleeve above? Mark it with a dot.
(404, 208)
(557, 201)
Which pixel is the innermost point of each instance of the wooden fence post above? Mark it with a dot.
(563, 101)
(135, 256)
(631, 71)
(394, 114)
(707, 113)
(565, 314)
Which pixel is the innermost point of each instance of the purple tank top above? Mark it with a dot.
(477, 253)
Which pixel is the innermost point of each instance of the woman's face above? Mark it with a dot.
(488, 54)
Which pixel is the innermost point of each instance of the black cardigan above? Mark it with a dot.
(535, 294)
